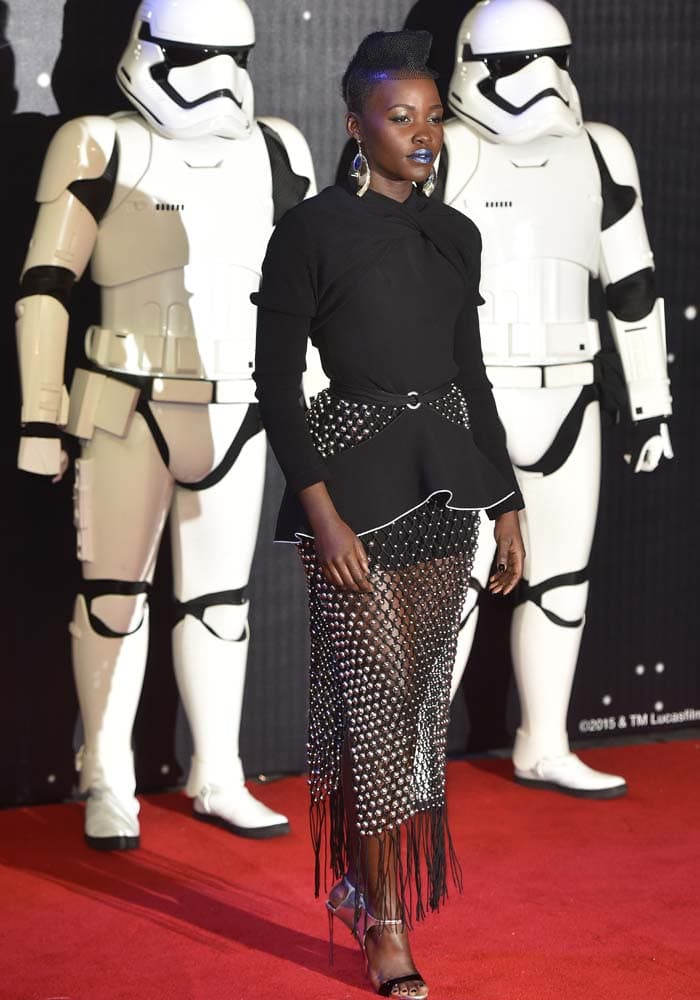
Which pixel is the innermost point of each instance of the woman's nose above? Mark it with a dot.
(426, 136)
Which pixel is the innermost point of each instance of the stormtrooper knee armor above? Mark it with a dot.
(172, 205)
(557, 201)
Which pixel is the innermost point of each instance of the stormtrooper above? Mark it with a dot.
(173, 204)
(557, 202)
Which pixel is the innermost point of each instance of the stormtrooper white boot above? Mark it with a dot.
(230, 805)
(210, 670)
(108, 675)
(541, 756)
(568, 774)
(111, 808)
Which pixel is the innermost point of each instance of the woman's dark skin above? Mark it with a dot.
(399, 116)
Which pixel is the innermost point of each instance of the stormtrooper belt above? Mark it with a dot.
(160, 389)
(540, 376)
(106, 399)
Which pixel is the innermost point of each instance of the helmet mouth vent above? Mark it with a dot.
(160, 75)
(488, 89)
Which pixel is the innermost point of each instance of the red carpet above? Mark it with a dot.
(564, 899)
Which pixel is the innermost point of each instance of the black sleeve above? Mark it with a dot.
(286, 304)
(486, 426)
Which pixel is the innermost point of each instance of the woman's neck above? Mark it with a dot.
(399, 190)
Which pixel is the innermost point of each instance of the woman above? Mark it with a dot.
(385, 477)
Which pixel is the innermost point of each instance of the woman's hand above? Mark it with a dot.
(342, 556)
(510, 554)
(340, 552)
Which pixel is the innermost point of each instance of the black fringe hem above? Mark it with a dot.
(417, 857)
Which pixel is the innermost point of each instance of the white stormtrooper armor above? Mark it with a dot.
(556, 202)
(173, 205)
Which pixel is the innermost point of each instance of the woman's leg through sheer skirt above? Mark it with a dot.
(381, 666)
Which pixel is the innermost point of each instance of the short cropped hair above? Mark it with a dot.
(386, 55)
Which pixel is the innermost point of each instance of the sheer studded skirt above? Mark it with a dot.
(381, 666)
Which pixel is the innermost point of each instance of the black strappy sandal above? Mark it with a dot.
(344, 910)
(385, 988)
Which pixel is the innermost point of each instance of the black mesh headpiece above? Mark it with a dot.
(386, 55)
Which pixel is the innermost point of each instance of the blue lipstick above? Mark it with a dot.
(422, 156)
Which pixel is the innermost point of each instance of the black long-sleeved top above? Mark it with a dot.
(388, 292)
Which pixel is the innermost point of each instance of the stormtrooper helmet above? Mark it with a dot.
(184, 68)
(511, 81)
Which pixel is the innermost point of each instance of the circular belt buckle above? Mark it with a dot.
(414, 406)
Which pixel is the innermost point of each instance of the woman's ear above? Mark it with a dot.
(352, 126)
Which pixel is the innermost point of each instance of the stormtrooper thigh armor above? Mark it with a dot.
(212, 486)
(560, 488)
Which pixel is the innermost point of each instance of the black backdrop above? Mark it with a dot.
(634, 67)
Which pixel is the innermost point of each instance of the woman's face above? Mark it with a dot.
(400, 128)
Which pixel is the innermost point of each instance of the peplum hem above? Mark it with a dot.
(420, 455)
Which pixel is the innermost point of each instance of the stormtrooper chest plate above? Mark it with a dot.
(537, 201)
(179, 252)
(539, 209)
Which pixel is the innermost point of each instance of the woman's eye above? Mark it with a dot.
(401, 119)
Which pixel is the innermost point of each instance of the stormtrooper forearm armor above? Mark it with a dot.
(635, 313)
(641, 344)
(59, 252)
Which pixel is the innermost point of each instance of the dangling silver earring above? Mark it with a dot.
(360, 171)
(430, 184)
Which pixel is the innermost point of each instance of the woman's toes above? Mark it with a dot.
(419, 991)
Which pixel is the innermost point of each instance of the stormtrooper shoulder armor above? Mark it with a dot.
(290, 162)
(617, 152)
(81, 150)
(625, 248)
(294, 143)
(75, 190)
(459, 158)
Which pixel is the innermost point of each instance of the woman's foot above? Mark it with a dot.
(389, 958)
(387, 949)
